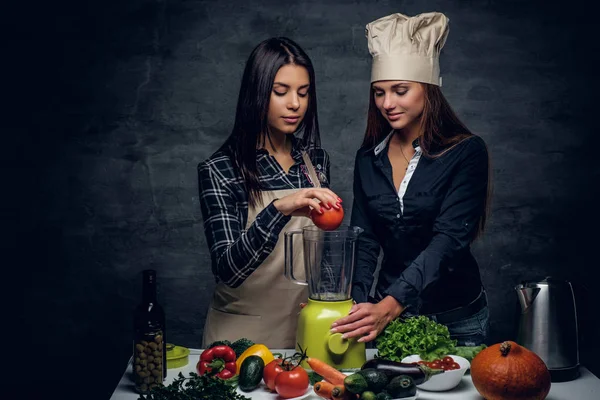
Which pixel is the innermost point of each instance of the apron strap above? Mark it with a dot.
(311, 170)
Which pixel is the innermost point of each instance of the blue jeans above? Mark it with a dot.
(470, 331)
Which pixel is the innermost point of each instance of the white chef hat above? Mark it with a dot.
(407, 48)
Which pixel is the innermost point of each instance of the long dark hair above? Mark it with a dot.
(440, 128)
(251, 123)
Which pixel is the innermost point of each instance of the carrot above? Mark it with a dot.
(339, 393)
(324, 389)
(328, 373)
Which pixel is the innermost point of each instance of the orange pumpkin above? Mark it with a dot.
(508, 371)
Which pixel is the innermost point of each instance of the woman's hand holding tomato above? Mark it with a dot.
(329, 219)
(301, 202)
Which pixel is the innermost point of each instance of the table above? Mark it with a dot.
(586, 387)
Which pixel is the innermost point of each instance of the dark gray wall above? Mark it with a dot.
(117, 102)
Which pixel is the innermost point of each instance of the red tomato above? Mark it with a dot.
(447, 360)
(454, 365)
(271, 371)
(292, 383)
(330, 220)
(436, 364)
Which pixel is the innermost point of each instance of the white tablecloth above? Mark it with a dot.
(586, 387)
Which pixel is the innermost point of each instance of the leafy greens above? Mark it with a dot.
(195, 387)
(419, 335)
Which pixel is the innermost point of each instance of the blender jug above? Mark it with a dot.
(329, 260)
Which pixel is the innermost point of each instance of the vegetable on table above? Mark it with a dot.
(293, 381)
(240, 345)
(468, 352)
(415, 335)
(508, 371)
(401, 386)
(217, 361)
(195, 387)
(356, 383)
(251, 373)
(324, 389)
(271, 371)
(376, 380)
(329, 373)
(256, 350)
(330, 391)
(219, 343)
(447, 363)
(418, 372)
(423, 336)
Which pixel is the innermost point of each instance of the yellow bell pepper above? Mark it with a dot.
(255, 350)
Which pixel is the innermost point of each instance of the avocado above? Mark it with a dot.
(251, 373)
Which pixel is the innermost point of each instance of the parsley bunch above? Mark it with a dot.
(195, 387)
(415, 335)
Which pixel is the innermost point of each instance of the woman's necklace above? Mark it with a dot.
(401, 151)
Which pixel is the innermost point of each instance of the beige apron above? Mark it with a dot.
(265, 307)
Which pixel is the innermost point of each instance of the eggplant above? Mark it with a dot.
(418, 372)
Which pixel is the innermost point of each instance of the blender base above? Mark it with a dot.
(314, 336)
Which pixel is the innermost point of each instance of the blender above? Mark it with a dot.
(329, 258)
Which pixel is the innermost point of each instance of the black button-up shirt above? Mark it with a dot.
(427, 262)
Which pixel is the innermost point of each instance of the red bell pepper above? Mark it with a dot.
(218, 361)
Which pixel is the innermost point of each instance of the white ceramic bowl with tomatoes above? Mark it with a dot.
(454, 369)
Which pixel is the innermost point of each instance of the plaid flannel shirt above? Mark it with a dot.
(237, 252)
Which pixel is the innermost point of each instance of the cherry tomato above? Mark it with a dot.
(271, 371)
(436, 364)
(447, 360)
(422, 362)
(454, 365)
(330, 220)
(292, 383)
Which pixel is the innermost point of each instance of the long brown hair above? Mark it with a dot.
(253, 106)
(440, 128)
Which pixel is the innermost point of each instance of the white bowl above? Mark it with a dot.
(446, 381)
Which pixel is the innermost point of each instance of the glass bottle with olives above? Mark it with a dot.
(149, 344)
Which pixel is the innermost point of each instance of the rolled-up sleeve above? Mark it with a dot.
(454, 228)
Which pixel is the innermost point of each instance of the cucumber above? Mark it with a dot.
(251, 373)
(401, 386)
(356, 383)
(376, 380)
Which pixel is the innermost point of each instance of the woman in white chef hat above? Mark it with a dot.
(420, 191)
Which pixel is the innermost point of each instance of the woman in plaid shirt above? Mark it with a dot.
(261, 182)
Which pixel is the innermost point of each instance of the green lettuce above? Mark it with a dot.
(468, 352)
(415, 335)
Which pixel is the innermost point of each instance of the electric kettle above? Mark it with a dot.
(548, 325)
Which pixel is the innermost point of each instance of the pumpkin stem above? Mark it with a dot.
(505, 348)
